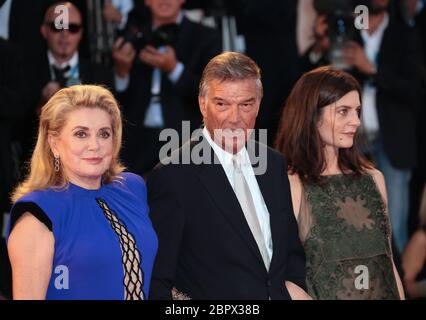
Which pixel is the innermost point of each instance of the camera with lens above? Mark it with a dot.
(340, 17)
(340, 21)
(164, 35)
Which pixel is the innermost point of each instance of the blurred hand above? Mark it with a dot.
(410, 7)
(355, 56)
(165, 61)
(322, 41)
(123, 56)
(111, 13)
(49, 90)
(410, 287)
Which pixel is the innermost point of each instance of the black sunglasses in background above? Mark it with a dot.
(72, 27)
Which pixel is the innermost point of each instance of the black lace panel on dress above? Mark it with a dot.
(131, 257)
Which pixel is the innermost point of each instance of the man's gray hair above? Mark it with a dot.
(230, 66)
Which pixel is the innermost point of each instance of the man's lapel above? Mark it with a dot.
(216, 183)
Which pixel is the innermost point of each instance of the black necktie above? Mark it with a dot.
(61, 75)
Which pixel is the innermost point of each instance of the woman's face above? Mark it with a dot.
(85, 146)
(338, 122)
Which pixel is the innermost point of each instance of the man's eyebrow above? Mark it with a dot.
(249, 100)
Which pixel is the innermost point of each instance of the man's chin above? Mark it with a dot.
(374, 11)
(235, 146)
(63, 52)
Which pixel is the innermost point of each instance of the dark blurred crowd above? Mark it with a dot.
(151, 53)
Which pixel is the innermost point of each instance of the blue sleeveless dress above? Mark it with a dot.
(105, 245)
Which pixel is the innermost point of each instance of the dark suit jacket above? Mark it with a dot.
(13, 107)
(421, 33)
(24, 25)
(90, 73)
(195, 46)
(206, 249)
(269, 28)
(398, 91)
(420, 25)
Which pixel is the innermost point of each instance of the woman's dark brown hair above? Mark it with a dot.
(298, 138)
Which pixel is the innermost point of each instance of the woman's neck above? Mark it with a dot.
(86, 183)
(331, 160)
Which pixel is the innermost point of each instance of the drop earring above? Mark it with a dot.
(56, 164)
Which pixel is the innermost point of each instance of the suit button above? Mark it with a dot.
(269, 283)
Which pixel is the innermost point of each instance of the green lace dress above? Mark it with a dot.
(345, 232)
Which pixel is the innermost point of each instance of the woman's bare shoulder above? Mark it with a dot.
(295, 182)
(376, 173)
(379, 179)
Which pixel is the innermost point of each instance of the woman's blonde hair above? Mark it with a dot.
(54, 115)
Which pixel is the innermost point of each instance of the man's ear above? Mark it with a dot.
(202, 101)
(43, 30)
(53, 142)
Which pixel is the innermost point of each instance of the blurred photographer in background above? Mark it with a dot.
(63, 66)
(334, 29)
(158, 64)
(385, 59)
(59, 65)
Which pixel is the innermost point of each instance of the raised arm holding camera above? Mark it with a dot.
(158, 64)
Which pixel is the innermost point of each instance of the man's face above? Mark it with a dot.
(62, 42)
(229, 112)
(378, 6)
(165, 11)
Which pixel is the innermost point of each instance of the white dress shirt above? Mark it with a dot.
(372, 47)
(306, 16)
(74, 72)
(124, 6)
(262, 212)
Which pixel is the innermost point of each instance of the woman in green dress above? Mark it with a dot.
(339, 198)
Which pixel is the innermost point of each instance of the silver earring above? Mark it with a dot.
(56, 163)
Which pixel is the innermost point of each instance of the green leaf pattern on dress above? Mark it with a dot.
(349, 228)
